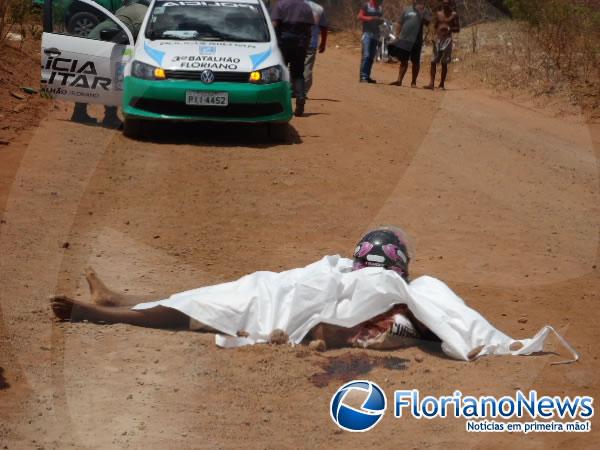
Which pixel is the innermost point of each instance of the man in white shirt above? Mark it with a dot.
(318, 42)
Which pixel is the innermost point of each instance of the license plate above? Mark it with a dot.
(207, 98)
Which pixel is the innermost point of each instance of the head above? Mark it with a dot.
(446, 4)
(385, 247)
(419, 5)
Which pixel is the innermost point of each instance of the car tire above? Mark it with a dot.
(278, 132)
(132, 128)
(81, 23)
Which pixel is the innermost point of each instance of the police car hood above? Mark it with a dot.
(218, 56)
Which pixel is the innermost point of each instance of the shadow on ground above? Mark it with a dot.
(220, 134)
(3, 383)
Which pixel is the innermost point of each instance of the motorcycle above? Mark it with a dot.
(386, 37)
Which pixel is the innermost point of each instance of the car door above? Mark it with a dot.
(86, 69)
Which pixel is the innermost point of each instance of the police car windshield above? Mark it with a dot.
(208, 20)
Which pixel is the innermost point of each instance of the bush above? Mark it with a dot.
(17, 16)
(342, 13)
(567, 30)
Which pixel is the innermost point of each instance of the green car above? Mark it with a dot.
(193, 60)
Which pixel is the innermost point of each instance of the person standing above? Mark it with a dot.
(319, 33)
(293, 21)
(445, 22)
(132, 14)
(371, 16)
(409, 44)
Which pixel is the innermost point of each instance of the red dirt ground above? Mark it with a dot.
(502, 202)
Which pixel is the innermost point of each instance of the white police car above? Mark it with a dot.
(203, 60)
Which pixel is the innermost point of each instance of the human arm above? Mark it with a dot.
(324, 30)
(323, 44)
(365, 18)
(455, 23)
(332, 336)
(398, 28)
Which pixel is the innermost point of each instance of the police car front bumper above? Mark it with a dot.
(166, 99)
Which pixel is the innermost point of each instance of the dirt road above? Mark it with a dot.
(502, 201)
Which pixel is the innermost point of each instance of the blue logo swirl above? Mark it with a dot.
(358, 406)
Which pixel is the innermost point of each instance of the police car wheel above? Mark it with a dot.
(132, 128)
(82, 23)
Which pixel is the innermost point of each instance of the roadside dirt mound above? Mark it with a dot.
(20, 107)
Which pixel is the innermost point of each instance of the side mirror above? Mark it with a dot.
(108, 34)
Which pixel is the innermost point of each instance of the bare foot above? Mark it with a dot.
(278, 337)
(101, 295)
(318, 345)
(62, 307)
(396, 83)
(442, 87)
(431, 87)
(516, 346)
(476, 351)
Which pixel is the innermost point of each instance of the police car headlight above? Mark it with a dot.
(146, 71)
(265, 76)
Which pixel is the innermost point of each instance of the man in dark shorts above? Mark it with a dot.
(293, 21)
(445, 22)
(371, 16)
(410, 41)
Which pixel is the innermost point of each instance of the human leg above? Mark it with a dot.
(111, 119)
(416, 68)
(401, 72)
(65, 308)
(102, 295)
(445, 59)
(415, 58)
(444, 75)
(369, 48)
(297, 59)
(80, 114)
(363, 58)
(371, 59)
(437, 58)
(431, 84)
(295, 55)
(309, 64)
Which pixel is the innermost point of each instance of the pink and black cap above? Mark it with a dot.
(383, 247)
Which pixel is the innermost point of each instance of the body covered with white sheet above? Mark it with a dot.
(328, 291)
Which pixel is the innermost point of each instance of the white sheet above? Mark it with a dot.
(328, 291)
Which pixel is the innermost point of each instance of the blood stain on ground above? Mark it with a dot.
(349, 366)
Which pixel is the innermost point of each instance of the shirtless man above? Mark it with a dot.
(445, 22)
(382, 247)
